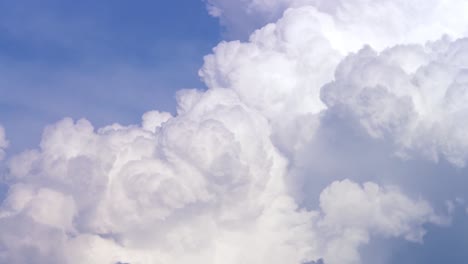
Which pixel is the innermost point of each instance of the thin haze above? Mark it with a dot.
(331, 132)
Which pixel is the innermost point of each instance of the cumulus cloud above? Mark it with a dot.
(242, 17)
(414, 95)
(352, 213)
(352, 23)
(264, 166)
(281, 70)
(206, 186)
(199, 187)
(168, 186)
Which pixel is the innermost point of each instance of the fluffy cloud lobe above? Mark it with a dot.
(351, 23)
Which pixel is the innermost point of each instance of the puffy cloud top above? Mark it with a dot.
(414, 95)
(381, 23)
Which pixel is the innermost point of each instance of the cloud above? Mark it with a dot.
(280, 71)
(381, 23)
(185, 176)
(271, 164)
(352, 213)
(413, 95)
(243, 17)
(198, 187)
(207, 186)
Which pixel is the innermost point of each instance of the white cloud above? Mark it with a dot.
(279, 72)
(282, 66)
(381, 23)
(413, 95)
(281, 69)
(351, 214)
(151, 195)
(217, 183)
(243, 17)
(202, 188)
(206, 186)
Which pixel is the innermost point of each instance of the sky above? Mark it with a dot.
(108, 62)
(226, 132)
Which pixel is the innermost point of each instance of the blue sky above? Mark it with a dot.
(106, 62)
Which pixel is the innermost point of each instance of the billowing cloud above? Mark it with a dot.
(380, 23)
(414, 95)
(352, 213)
(198, 187)
(206, 186)
(271, 164)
